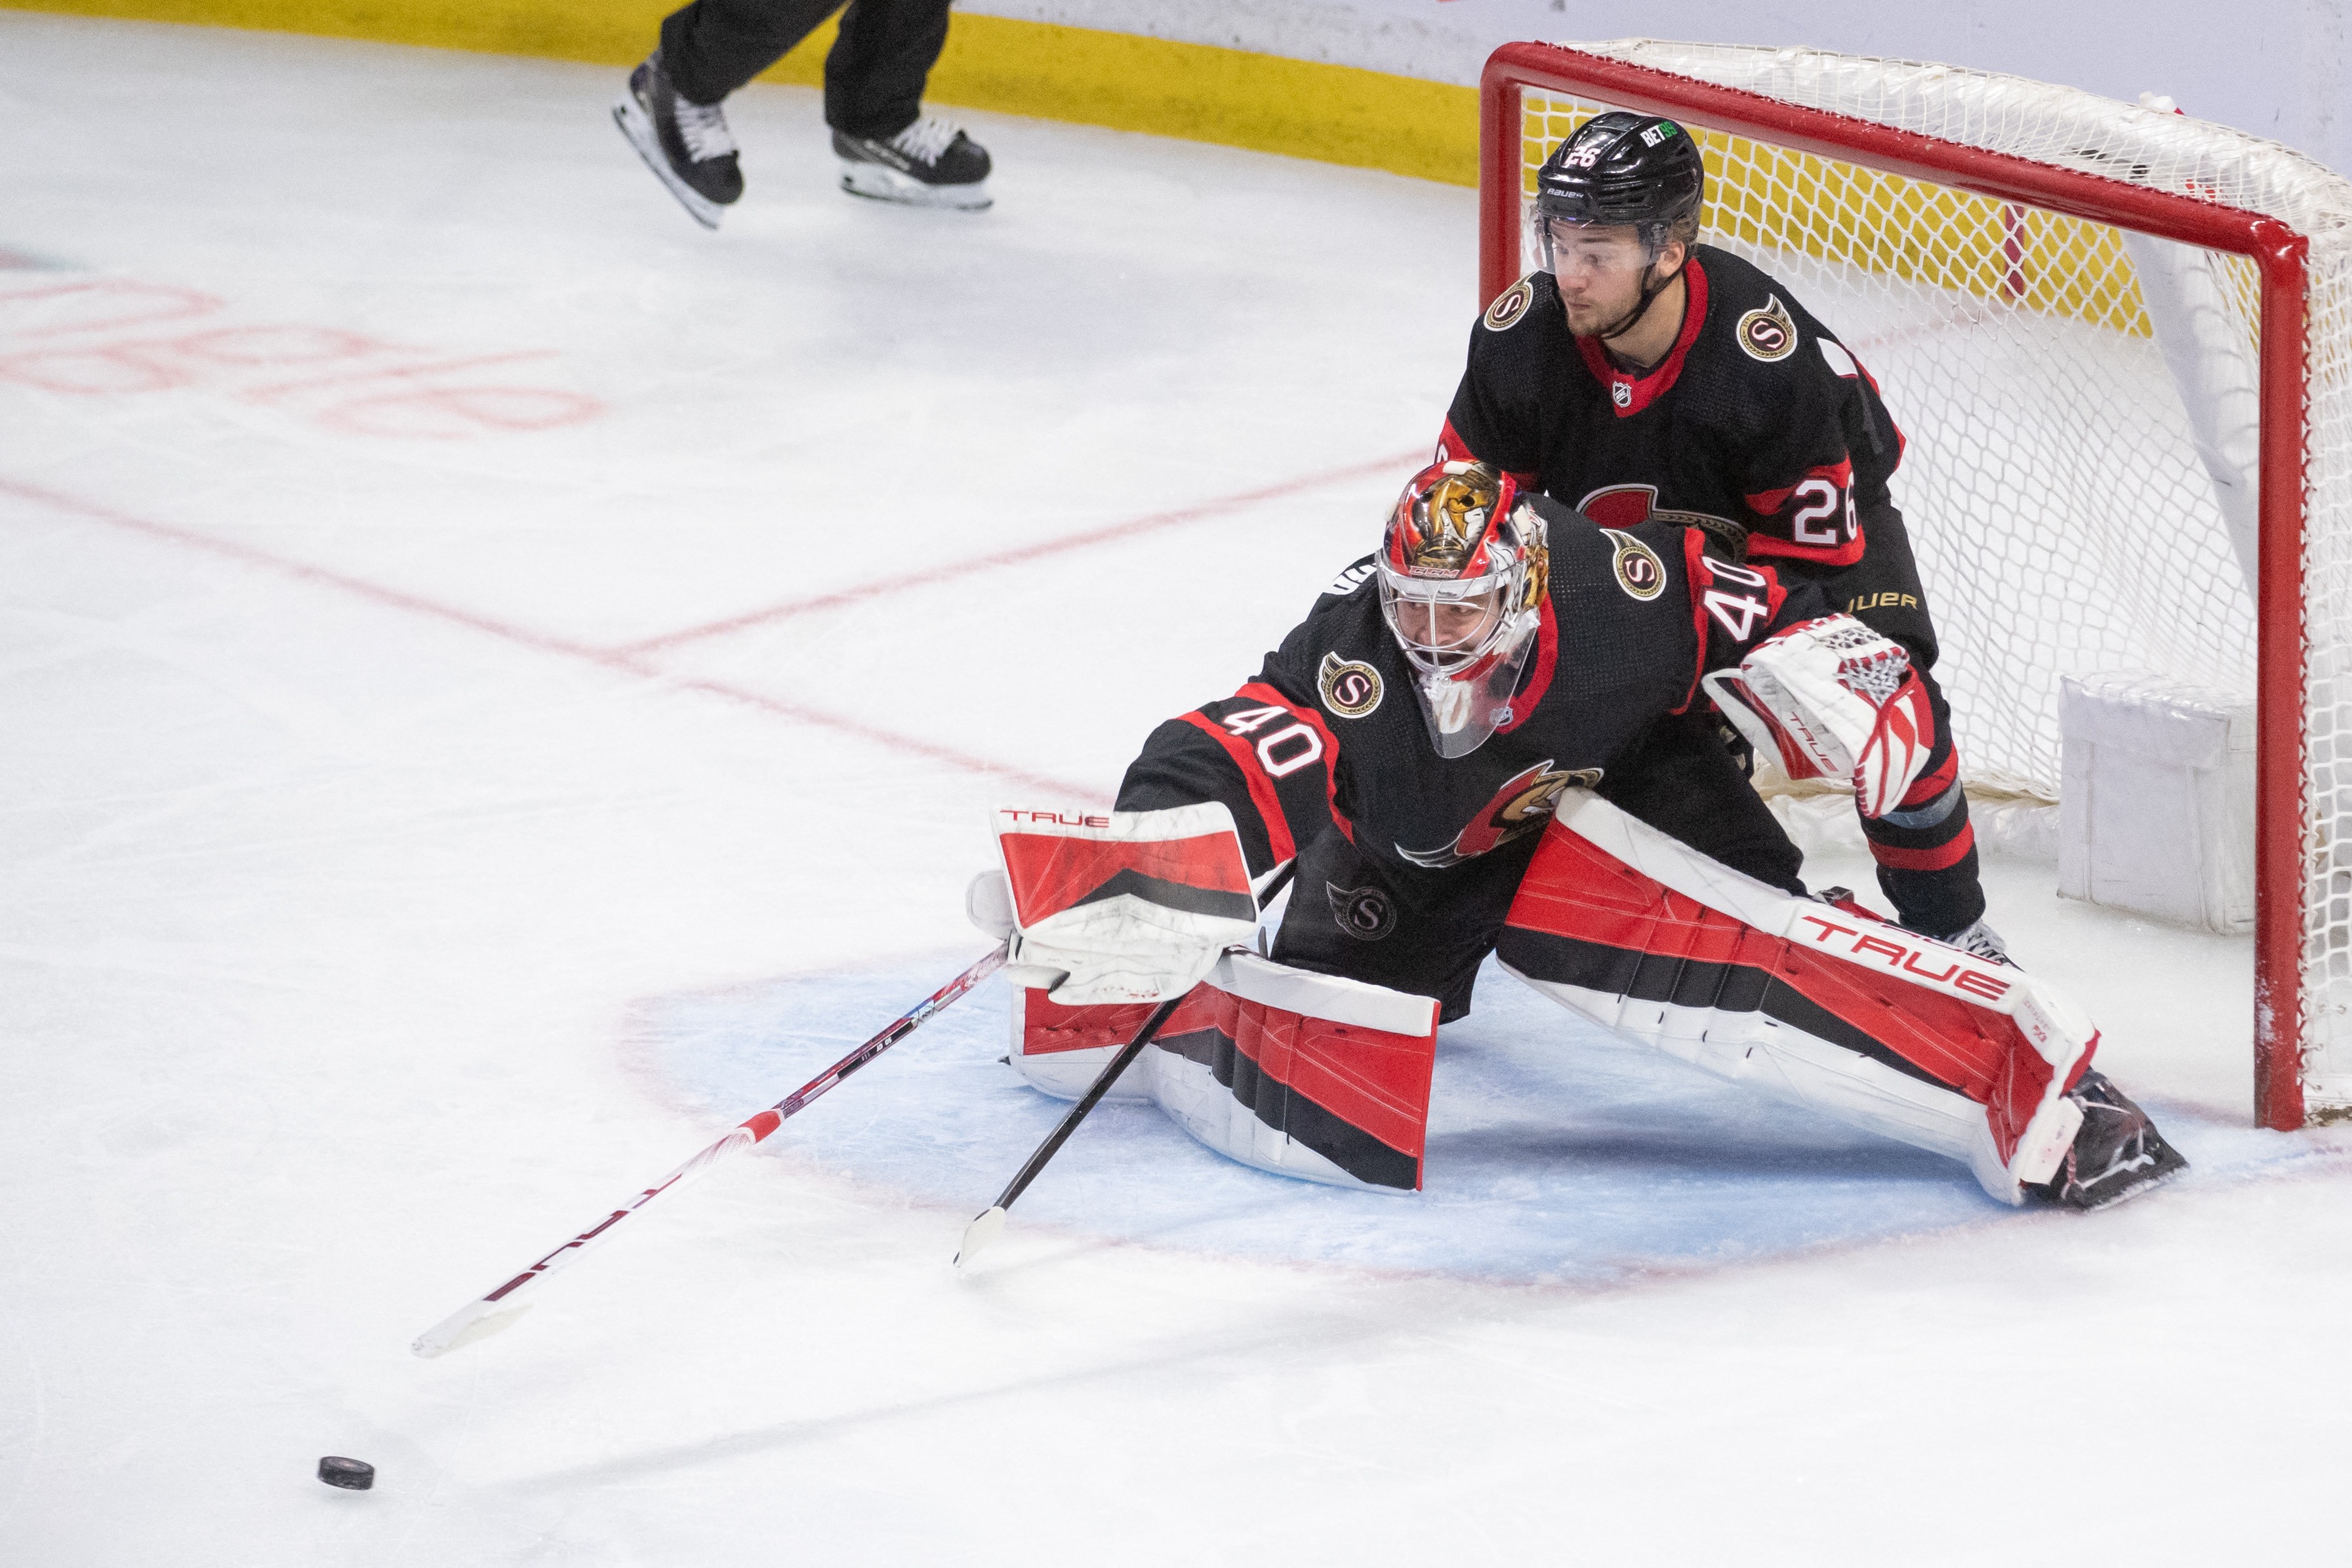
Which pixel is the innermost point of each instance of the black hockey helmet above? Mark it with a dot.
(1624, 167)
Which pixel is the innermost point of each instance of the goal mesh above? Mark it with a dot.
(2079, 404)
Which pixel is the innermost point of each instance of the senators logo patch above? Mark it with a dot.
(1524, 803)
(1367, 914)
(1350, 689)
(1639, 571)
(1766, 334)
(1509, 305)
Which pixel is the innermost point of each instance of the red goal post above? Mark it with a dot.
(1951, 205)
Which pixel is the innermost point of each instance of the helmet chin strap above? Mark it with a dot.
(1652, 287)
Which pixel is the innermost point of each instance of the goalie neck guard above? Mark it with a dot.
(1463, 573)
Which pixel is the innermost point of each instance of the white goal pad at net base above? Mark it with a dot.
(2118, 341)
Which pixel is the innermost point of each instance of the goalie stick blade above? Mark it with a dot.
(473, 1320)
(984, 1228)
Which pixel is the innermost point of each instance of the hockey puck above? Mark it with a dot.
(351, 1475)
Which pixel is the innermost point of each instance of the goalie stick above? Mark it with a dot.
(481, 1318)
(989, 1221)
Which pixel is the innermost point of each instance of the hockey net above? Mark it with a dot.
(2084, 405)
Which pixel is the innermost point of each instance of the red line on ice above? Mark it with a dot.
(622, 660)
(1111, 534)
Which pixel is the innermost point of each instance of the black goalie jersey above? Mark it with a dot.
(1329, 738)
(1757, 414)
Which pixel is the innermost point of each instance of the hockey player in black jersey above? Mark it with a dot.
(1409, 738)
(1642, 372)
(1408, 745)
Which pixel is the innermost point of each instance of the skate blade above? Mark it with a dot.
(2140, 1189)
(639, 129)
(877, 182)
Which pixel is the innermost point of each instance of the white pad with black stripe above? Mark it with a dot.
(1810, 1002)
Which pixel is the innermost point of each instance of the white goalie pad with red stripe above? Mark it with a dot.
(1801, 1000)
(1123, 906)
(1305, 1075)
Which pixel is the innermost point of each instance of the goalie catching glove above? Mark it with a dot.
(1123, 906)
(1831, 698)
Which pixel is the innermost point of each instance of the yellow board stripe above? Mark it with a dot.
(1335, 114)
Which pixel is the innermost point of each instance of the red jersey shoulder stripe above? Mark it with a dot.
(1261, 789)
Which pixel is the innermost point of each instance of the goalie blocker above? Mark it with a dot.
(1119, 906)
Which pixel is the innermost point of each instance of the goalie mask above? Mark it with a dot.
(1463, 572)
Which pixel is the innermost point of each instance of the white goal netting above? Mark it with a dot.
(2080, 404)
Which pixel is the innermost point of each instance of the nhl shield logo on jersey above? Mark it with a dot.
(1350, 689)
(1367, 914)
(1510, 305)
(1639, 571)
(1621, 393)
(1766, 333)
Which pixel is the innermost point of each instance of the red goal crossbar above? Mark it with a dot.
(2278, 252)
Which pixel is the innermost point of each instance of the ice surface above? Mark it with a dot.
(497, 682)
(1558, 1155)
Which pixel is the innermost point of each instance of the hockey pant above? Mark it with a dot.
(1803, 1001)
(874, 74)
(1926, 848)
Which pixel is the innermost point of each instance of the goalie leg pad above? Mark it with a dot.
(1303, 1075)
(1308, 1075)
(1059, 1049)
(1866, 1022)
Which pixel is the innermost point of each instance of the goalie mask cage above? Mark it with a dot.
(2119, 343)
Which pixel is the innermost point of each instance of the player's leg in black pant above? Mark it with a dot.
(874, 77)
(1424, 933)
(672, 112)
(1683, 781)
(1926, 848)
(888, 148)
(713, 47)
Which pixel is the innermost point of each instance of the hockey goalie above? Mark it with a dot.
(1504, 733)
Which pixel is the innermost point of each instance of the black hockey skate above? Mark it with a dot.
(931, 163)
(687, 145)
(2118, 1155)
(1980, 941)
